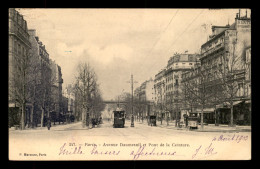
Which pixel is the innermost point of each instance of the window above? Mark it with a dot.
(19, 49)
(15, 46)
(190, 63)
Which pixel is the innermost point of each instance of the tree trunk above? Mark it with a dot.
(23, 107)
(202, 119)
(215, 111)
(83, 117)
(167, 119)
(87, 119)
(142, 117)
(42, 117)
(176, 117)
(31, 118)
(231, 115)
(161, 118)
(23, 117)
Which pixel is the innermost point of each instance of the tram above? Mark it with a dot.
(119, 118)
(193, 121)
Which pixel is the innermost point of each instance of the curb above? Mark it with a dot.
(206, 130)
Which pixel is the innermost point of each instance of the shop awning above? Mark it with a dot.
(205, 110)
(227, 104)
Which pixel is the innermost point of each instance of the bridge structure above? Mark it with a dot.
(124, 102)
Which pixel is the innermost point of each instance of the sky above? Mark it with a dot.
(121, 42)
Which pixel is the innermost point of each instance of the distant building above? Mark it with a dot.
(159, 91)
(56, 87)
(145, 95)
(71, 99)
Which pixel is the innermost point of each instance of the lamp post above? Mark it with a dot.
(132, 87)
(132, 100)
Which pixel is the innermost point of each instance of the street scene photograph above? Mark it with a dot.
(129, 84)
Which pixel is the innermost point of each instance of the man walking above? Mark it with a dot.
(49, 123)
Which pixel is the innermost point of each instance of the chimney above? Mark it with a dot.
(246, 13)
(239, 14)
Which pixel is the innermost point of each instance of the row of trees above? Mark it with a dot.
(32, 84)
(87, 93)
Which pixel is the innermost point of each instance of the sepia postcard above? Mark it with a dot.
(129, 84)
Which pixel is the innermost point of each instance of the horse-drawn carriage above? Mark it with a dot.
(152, 120)
(96, 121)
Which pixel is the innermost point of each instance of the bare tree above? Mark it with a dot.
(229, 69)
(216, 96)
(97, 102)
(126, 98)
(34, 82)
(86, 86)
(19, 82)
(197, 89)
(189, 97)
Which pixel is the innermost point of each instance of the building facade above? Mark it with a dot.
(40, 78)
(177, 64)
(144, 98)
(19, 50)
(224, 75)
(68, 93)
(159, 91)
(56, 87)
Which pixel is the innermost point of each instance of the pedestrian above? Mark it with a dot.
(49, 123)
(186, 120)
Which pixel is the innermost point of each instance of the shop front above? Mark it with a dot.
(241, 113)
(208, 115)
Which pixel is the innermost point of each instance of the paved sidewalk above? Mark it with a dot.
(207, 128)
(57, 126)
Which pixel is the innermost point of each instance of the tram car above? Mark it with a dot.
(193, 121)
(119, 118)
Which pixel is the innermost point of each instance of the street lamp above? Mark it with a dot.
(132, 87)
(132, 117)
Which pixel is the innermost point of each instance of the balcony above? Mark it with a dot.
(25, 40)
(217, 47)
